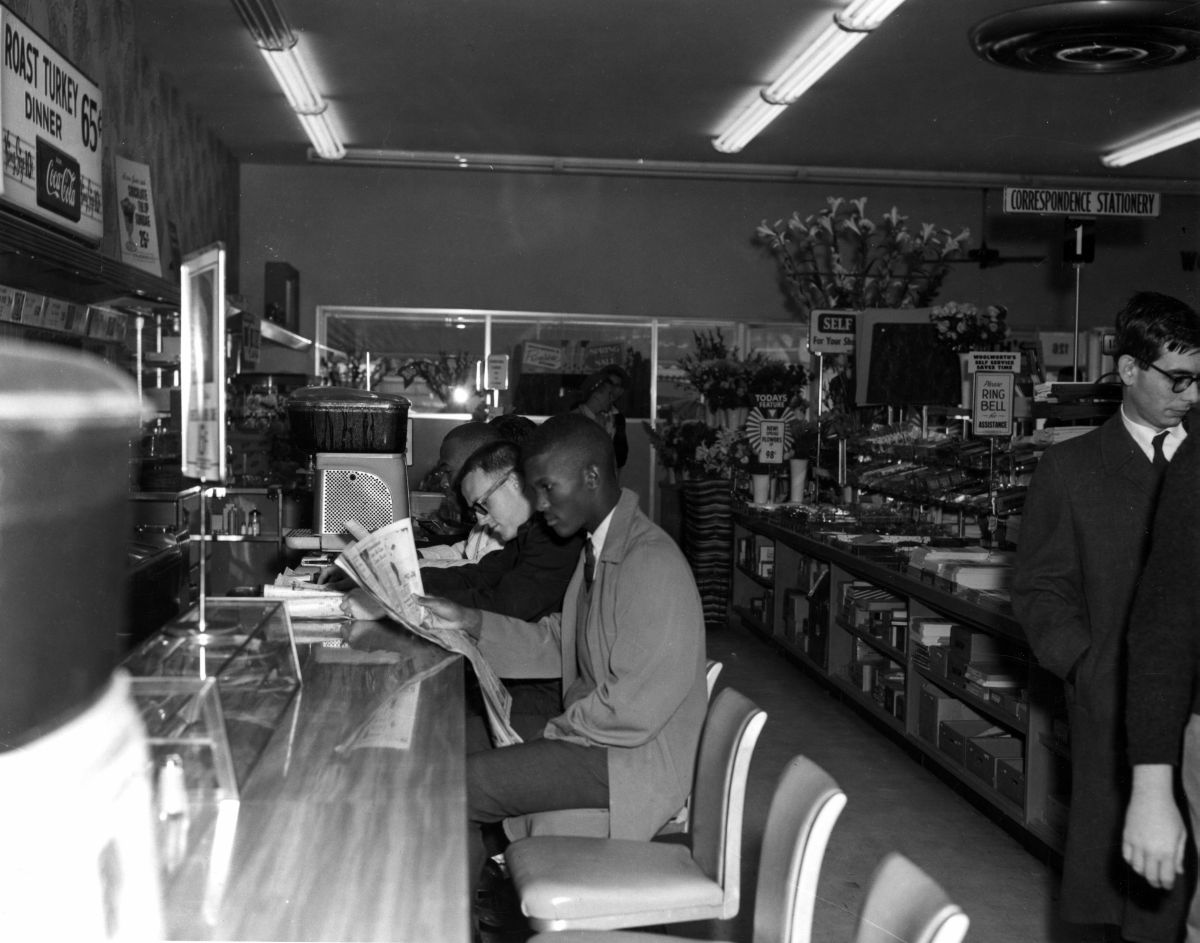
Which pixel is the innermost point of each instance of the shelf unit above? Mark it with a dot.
(907, 689)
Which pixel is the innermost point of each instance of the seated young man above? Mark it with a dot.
(629, 645)
(457, 446)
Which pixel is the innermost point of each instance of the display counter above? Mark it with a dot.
(348, 821)
(945, 668)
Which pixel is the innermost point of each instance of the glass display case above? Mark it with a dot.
(210, 700)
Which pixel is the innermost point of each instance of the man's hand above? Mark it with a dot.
(335, 578)
(444, 615)
(359, 604)
(1155, 835)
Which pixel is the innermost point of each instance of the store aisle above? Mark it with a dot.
(894, 803)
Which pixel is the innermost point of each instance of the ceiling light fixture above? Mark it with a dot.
(850, 27)
(278, 45)
(1155, 142)
(747, 125)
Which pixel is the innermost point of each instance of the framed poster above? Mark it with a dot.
(202, 363)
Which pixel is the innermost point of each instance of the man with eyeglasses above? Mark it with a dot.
(1085, 536)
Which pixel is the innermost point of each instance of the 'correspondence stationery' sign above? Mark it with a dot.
(1061, 202)
(50, 118)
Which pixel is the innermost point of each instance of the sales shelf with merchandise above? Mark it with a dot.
(944, 669)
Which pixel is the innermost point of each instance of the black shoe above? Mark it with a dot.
(496, 904)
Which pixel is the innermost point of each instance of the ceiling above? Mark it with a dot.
(655, 80)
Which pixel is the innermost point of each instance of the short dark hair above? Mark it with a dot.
(1152, 322)
(513, 427)
(581, 438)
(501, 456)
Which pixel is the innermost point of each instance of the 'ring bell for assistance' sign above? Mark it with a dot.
(993, 404)
(50, 117)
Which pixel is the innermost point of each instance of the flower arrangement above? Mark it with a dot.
(727, 455)
(962, 327)
(840, 258)
(778, 377)
(714, 371)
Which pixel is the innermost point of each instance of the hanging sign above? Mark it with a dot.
(1058, 348)
(50, 116)
(1044, 201)
(768, 427)
(992, 404)
(831, 332)
(497, 372)
(139, 235)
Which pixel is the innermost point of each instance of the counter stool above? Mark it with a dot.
(568, 882)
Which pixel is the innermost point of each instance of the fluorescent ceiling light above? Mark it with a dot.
(866, 14)
(292, 75)
(324, 140)
(265, 23)
(850, 26)
(1165, 138)
(808, 67)
(747, 125)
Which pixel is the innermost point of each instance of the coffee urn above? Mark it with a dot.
(79, 858)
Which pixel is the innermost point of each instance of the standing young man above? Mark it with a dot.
(1084, 539)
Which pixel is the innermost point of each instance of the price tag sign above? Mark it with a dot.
(992, 404)
(1058, 348)
(770, 442)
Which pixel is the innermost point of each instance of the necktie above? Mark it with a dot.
(589, 563)
(1160, 459)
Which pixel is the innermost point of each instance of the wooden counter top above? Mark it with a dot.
(352, 824)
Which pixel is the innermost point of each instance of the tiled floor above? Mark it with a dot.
(894, 803)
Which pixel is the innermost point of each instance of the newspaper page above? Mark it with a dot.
(384, 562)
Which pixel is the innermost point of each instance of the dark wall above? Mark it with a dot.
(645, 247)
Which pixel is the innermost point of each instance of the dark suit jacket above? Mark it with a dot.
(1084, 539)
(526, 578)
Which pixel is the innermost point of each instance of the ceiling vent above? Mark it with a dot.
(1092, 37)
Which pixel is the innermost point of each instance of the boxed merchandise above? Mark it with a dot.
(954, 734)
(970, 645)
(939, 660)
(870, 608)
(935, 706)
(981, 754)
(1010, 778)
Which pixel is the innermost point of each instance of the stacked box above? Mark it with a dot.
(935, 706)
(1010, 778)
(982, 753)
(954, 734)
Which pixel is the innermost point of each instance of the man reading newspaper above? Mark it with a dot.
(629, 645)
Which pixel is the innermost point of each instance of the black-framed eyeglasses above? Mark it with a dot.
(1179, 381)
(479, 506)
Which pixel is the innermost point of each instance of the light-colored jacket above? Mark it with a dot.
(643, 642)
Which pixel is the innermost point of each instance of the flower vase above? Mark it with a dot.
(966, 377)
(797, 479)
(760, 487)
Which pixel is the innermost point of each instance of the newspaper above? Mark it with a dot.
(384, 563)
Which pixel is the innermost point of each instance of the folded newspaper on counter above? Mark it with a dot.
(384, 563)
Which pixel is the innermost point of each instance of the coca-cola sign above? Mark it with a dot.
(57, 181)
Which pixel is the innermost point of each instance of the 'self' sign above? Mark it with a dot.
(50, 120)
(831, 332)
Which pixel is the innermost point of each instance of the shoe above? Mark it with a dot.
(496, 904)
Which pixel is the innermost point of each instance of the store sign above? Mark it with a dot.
(768, 427)
(135, 200)
(831, 332)
(1044, 201)
(497, 372)
(1058, 348)
(993, 360)
(992, 404)
(50, 120)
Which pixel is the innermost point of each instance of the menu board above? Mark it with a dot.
(50, 120)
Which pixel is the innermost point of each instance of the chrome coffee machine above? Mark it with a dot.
(359, 439)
